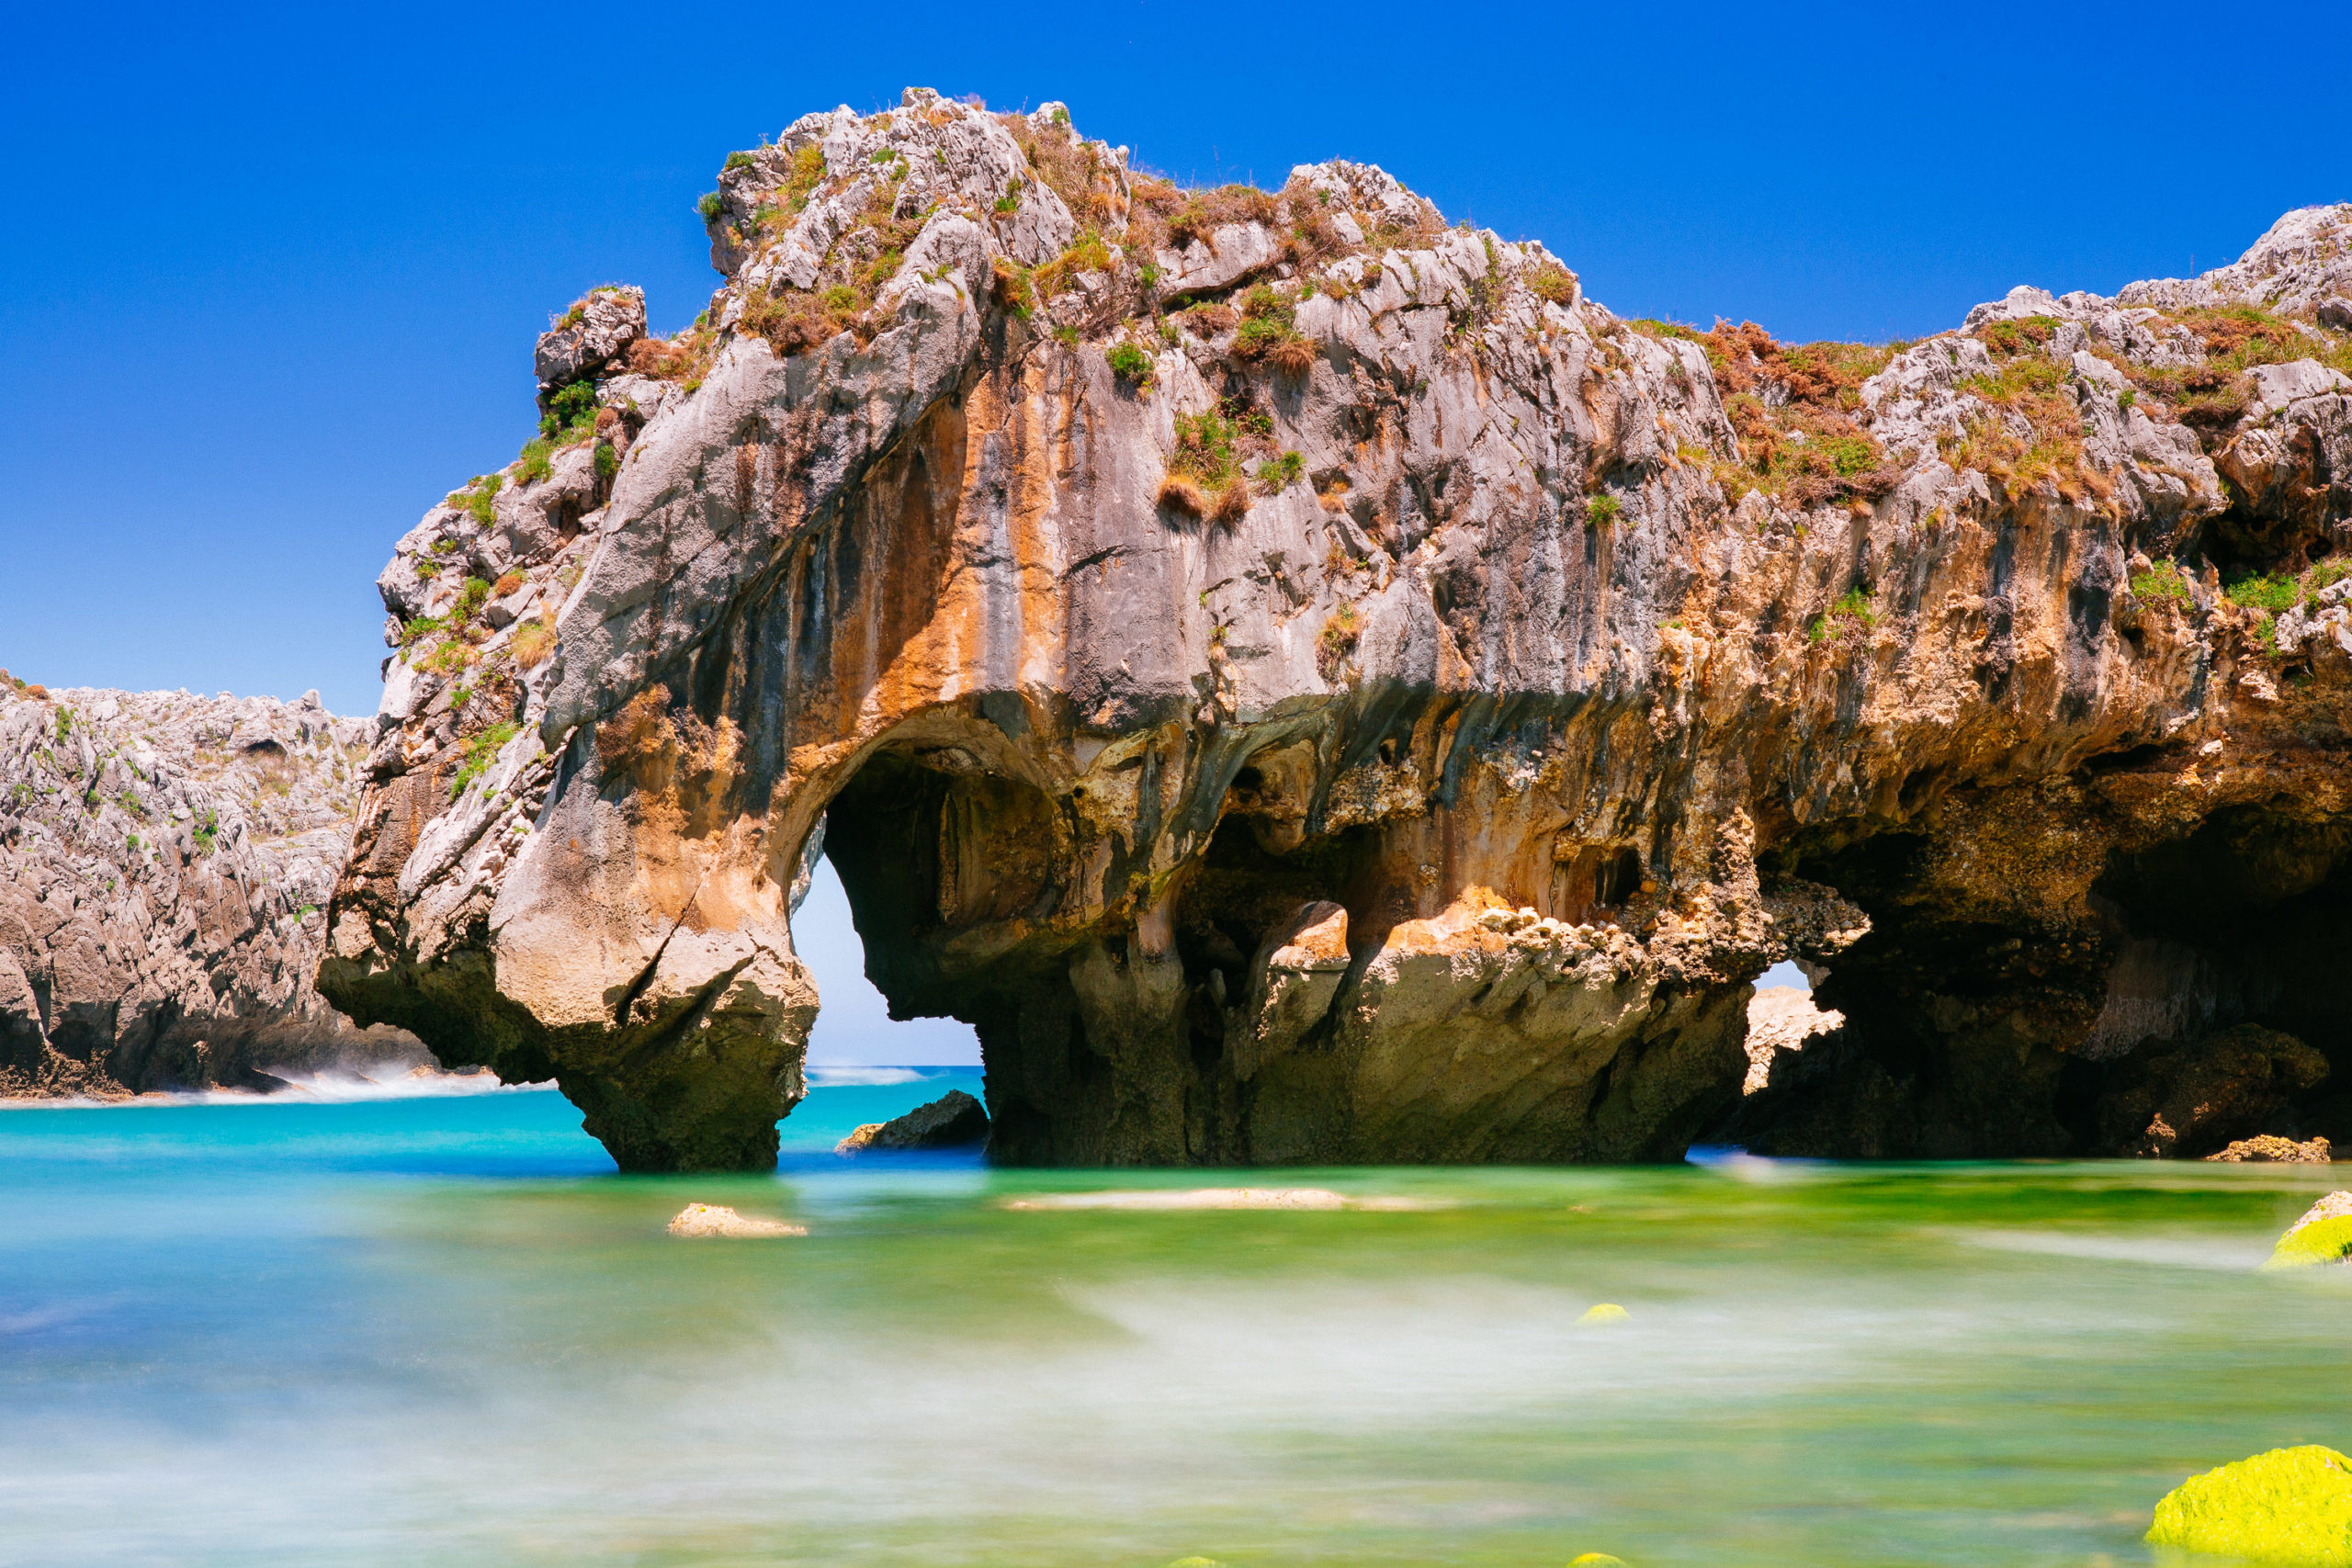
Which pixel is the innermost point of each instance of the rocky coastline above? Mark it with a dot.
(165, 861)
(1308, 683)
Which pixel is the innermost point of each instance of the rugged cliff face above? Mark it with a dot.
(164, 867)
(1309, 684)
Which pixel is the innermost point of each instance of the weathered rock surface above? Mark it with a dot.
(1390, 709)
(2269, 1148)
(953, 1121)
(703, 1221)
(1780, 1018)
(166, 862)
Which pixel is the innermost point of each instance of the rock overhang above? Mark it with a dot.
(1499, 597)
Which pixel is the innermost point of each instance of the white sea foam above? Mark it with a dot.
(2227, 1254)
(851, 1074)
(335, 1088)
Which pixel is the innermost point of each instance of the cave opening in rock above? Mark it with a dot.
(1146, 1036)
(944, 862)
(2189, 1001)
(855, 1029)
(2240, 930)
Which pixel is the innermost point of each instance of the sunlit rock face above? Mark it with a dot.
(1307, 684)
(165, 861)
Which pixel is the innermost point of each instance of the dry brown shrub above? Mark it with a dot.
(1291, 357)
(1209, 320)
(682, 358)
(1233, 501)
(1205, 211)
(506, 584)
(1183, 495)
(1554, 284)
(533, 644)
(1154, 194)
(1009, 286)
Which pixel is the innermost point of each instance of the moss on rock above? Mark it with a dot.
(2289, 1505)
(2322, 1236)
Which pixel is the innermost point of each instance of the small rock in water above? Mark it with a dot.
(717, 1219)
(2268, 1147)
(1596, 1559)
(953, 1121)
(1607, 1312)
(2322, 1236)
(2286, 1506)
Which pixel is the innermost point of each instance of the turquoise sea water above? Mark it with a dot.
(441, 1332)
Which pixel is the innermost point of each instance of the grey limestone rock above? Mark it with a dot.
(165, 861)
(592, 335)
(1200, 728)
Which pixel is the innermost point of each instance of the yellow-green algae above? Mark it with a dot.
(2289, 1505)
(1596, 1559)
(2322, 1241)
(1607, 1312)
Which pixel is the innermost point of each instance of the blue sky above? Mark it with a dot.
(269, 280)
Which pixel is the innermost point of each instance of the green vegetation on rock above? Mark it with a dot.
(2289, 1505)
(2323, 1235)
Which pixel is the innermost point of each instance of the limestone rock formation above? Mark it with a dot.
(702, 1221)
(1309, 684)
(166, 862)
(953, 1121)
(1781, 1019)
(2265, 1148)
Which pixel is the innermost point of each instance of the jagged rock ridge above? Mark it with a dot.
(166, 862)
(1309, 684)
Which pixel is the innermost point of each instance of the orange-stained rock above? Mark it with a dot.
(1524, 682)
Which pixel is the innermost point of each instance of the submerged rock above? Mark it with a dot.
(717, 1220)
(1309, 684)
(2322, 1236)
(2289, 1507)
(165, 861)
(953, 1121)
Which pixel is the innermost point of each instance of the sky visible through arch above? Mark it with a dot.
(270, 279)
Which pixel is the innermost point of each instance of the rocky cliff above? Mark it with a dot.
(164, 866)
(1307, 683)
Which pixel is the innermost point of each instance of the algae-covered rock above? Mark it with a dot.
(1596, 1559)
(2322, 1236)
(2289, 1505)
(1606, 1312)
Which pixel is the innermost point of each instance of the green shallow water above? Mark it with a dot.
(441, 1332)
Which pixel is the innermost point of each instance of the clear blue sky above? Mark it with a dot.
(269, 281)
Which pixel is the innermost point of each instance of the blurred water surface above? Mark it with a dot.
(440, 1331)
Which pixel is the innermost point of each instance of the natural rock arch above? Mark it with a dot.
(1334, 691)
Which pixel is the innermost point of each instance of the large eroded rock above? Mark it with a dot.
(1390, 709)
(164, 867)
